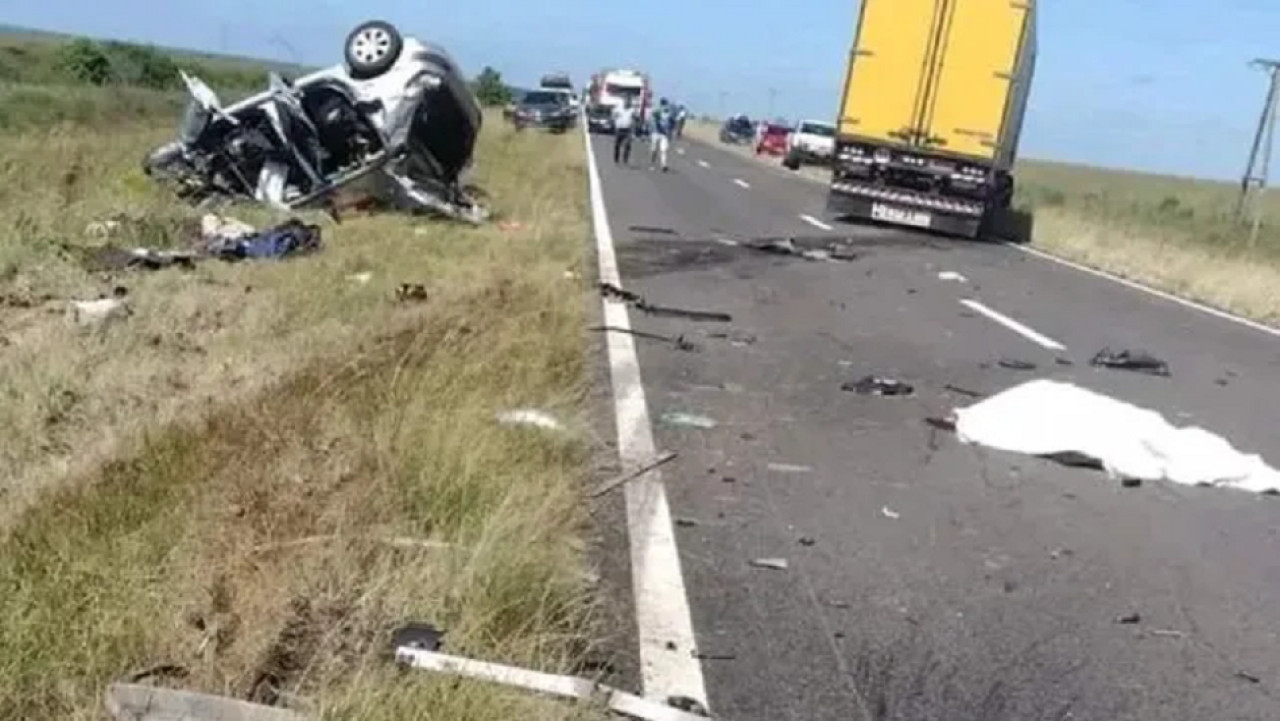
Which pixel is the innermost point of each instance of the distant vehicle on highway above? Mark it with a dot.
(811, 143)
(931, 116)
(548, 109)
(773, 140)
(610, 88)
(737, 130)
(560, 81)
(599, 119)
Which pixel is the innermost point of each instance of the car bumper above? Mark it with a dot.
(904, 209)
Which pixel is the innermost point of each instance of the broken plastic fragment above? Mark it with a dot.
(1129, 360)
(789, 468)
(530, 417)
(888, 512)
(951, 275)
(1016, 365)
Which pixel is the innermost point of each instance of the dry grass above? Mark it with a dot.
(148, 468)
(1176, 234)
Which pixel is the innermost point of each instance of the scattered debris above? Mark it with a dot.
(686, 522)
(292, 237)
(888, 512)
(952, 275)
(100, 310)
(1061, 553)
(1129, 618)
(574, 687)
(530, 417)
(164, 670)
(651, 229)
(787, 246)
(878, 386)
(789, 468)
(1016, 365)
(836, 603)
(807, 541)
(1247, 677)
(688, 420)
(728, 479)
(361, 278)
(139, 702)
(962, 391)
(1167, 633)
(406, 292)
(1139, 361)
(1044, 418)
(215, 228)
(609, 290)
(421, 636)
(776, 564)
(706, 656)
(102, 228)
(1063, 361)
(613, 483)
(110, 257)
(679, 342)
(736, 338)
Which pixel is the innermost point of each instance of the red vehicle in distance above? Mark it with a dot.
(773, 140)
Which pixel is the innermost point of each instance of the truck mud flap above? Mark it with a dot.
(847, 206)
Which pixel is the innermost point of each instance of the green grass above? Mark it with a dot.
(158, 473)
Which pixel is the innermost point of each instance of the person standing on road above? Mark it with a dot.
(624, 124)
(660, 141)
(681, 115)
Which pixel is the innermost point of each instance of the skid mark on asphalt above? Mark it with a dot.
(1023, 330)
(668, 666)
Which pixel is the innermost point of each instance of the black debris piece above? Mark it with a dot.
(836, 603)
(728, 479)
(609, 290)
(164, 670)
(686, 522)
(878, 386)
(962, 391)
(1063, 361)
(422, 636)
(1016, 365)
(411, 291)
(1074, 459)
(788, 246)
(1247, 677)
(1138, 361)
(705, 656)
(807, 541)
(1130, 482)
(679, 342)
(1129, 619)
(941, 424)
(651, 229)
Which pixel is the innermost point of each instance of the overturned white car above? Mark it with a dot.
(396, 123)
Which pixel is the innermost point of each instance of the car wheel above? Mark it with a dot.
(372, 48)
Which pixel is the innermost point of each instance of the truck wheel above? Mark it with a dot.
(372, 48)
(791, 162)
(1008, 225)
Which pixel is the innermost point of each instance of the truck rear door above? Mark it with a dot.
(974, 75)
(889, 68)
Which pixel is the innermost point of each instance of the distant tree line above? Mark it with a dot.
(104, 63)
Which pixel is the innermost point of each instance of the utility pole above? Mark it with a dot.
(1253, 186)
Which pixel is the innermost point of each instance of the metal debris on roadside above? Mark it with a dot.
(678, 342)
(573, 687)
(681, 419)
(707, 656)
(1129, 618)
(888, 512)
(422, 636)
(952, 275)
(878, 386)
(807, 541)
(776, 564)
(1130, 360)
(962, 391)
(1245, 676)
(142, 702)
(613, 483)
(686, 522)
(1014, 364)
(787, 246)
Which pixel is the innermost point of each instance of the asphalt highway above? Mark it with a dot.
(925, 580)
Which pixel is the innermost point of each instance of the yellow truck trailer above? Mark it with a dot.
(934, 97)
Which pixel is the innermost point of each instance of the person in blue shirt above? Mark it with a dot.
(662, 124)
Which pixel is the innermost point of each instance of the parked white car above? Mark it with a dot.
(812, 142)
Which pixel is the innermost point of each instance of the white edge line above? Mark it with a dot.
(668, 666)
(741, 183)
(814, 222)
(1186, 303)
(1015, 326)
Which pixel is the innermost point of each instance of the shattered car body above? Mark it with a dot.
(396, 123)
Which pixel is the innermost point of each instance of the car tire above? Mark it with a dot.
(791, 162)
(372, 48)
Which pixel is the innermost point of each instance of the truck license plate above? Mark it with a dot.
(888, 213)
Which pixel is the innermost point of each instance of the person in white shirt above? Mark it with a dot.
(624, 124)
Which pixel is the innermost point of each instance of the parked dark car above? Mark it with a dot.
(600, 119)
(548, 109)
(738, 130)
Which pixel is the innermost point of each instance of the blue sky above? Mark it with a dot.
(1159, 85)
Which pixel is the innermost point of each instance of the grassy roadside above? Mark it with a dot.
(205, 483)
(1175, 234)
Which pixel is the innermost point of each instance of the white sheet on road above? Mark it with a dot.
(1043, 417)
